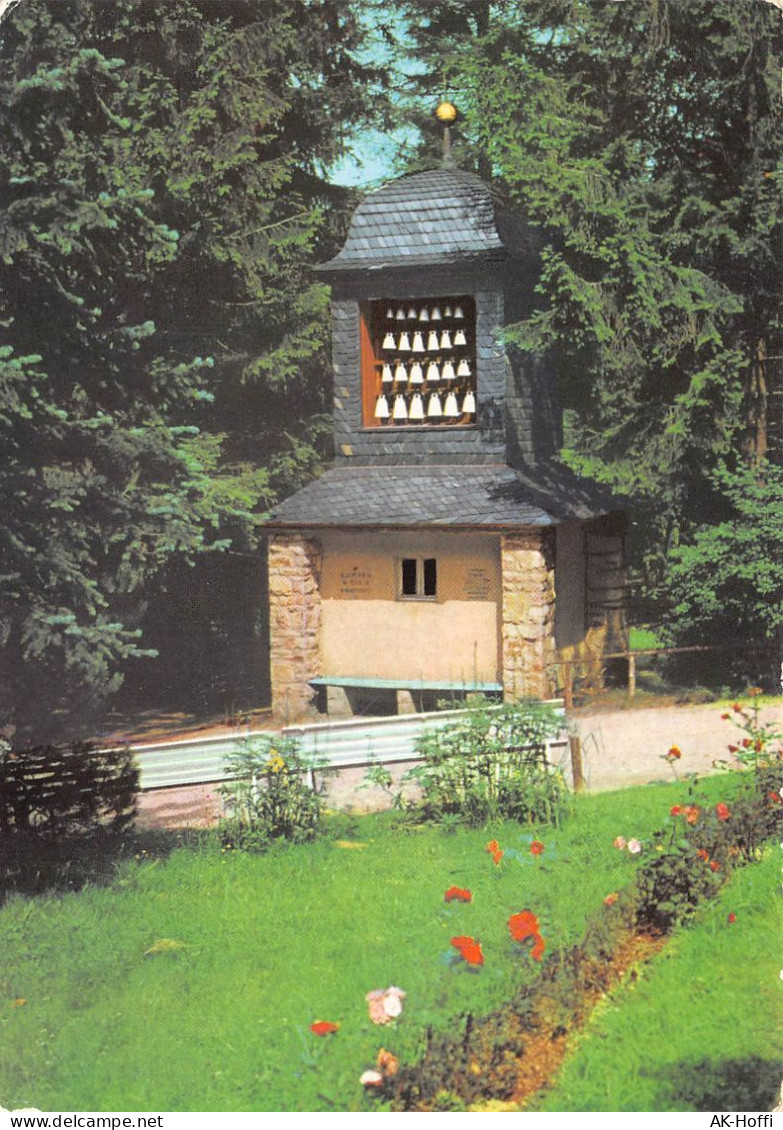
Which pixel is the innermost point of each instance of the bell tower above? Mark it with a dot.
(426, 562)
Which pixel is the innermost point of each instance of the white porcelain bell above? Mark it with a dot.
(400, 314)
(448, 371)
(445, 340)
(390, 313)
(463, 369)
(388, 341)
(447, 312)
(436, 315)
(433, 372)
(458, 312)
(387, 376)
(459, 338)
(418, 343)
(424, 314)
(451, 408)
(432, 341)
(416, 375)
(400, 372)
(469, 403)
(434, 407)
(400, 411)
(405, 343)
(382, 408)
(417, 407)
(412, 312)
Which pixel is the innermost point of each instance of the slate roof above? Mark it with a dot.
(457, 496)
(440, 216)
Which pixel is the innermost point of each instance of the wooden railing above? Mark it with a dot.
(568, 665)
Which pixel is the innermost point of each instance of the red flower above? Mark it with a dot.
(523, 925)
(703, 854)
(536, 847)
(722, 811)
(469, 950)
(692, 813)
(737, 708)
(674, 753)
(746, 743)
(495, 850)
(714, 865)
(611, 899)
(457, 894)
(323, 1028)
(775, 798)
(676, 810)
(733, 749)
(539, 946)
(725, 717)
(732, 918)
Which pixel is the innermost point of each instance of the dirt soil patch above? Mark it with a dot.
(505, 1059)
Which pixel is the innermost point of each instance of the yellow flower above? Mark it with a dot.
(275, 763)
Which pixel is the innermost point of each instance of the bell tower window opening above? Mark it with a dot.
(418, 578)
(418, 362)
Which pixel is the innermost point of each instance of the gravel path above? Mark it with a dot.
(624, 747)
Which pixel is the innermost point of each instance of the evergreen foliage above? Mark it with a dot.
(163, 364)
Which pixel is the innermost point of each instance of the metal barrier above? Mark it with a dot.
(347, 744)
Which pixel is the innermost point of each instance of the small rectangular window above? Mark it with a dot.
(409, 576)
(418, 577)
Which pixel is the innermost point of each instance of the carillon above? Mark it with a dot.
(423, 353)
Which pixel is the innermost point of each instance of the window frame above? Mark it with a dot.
(420, 563)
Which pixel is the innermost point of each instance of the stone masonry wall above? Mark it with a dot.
(294, 623)
(528, 614)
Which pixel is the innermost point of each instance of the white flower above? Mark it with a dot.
(634, 847)
(371, 1079)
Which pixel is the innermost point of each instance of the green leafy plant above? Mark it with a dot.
(703, 843)
(271, 796)
(491, 764)
(72, 790)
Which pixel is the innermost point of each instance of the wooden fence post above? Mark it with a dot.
(576, 763)
(568, 686)
(631, 674)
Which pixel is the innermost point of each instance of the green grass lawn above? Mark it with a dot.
(270, 944)
(702, 1028)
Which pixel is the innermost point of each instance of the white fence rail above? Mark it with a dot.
(339, 745)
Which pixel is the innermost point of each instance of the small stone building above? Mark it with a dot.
(446, 552)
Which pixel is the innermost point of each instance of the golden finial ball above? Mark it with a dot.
(446, 112)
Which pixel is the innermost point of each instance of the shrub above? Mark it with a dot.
(269, 797)
(491, 764)
(703, 843)
(53, 792)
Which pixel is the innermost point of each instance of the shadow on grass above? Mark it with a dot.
(33, 865)
(751, 1084)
